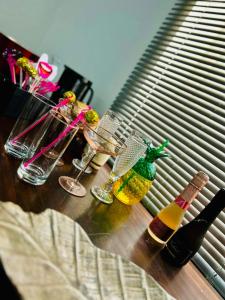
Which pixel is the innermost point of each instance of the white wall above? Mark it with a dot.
(101, 39)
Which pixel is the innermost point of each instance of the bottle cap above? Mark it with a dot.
(199, 180)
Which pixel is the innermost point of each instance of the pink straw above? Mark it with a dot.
(26, 80)
(11, 61)
(60, 104)
(80, 117)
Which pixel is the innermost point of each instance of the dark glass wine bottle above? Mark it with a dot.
(188, 239)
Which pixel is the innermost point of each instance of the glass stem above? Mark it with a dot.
(85, 157)
(109, 183)
(89, 156)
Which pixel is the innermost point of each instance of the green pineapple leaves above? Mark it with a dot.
(153, 153)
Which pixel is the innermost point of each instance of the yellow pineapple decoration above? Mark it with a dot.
(133, 186)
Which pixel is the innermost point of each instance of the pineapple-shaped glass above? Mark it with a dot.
(134, 185)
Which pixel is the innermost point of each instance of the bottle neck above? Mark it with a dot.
(187, 196)
(211, 211)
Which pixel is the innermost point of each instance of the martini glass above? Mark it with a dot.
(100, 140)
(136, 148)
(110, 122)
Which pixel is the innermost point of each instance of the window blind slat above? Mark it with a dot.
(205, 18)
(195, 32)
(197, 73)
(188, 60)
(194, 36)
(210, 126)
(197, 41)
(207, 4)
(167, 92)
(184, 89)
(198, 55)
(184, 77)
(213, 122)
(142, 123)
(205, 52)
(195, 8)
(189, 24)
(177, 91)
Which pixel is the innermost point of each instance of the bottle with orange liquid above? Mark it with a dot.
(165, 224)
(134, 185)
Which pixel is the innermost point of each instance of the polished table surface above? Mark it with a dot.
(117, 227)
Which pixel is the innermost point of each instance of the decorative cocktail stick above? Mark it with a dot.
(44, 69)
(11, 55)
(43, 72)
(25, 65)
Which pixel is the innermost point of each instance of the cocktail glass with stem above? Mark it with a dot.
(136, 148)
(110, 121)
(101, 141)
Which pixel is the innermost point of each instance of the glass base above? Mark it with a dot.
(60, 163)
(76, 163)
(33, 175)
(102, 195)
(17, 149)
(72, 187)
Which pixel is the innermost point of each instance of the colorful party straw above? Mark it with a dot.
(26, 81)
(79, 118)
(11, 55)
(47, 87)
(11, 61)
(60, 104)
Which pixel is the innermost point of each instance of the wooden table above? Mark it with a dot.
(117, 227)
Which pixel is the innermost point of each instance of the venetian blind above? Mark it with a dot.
(177, 91)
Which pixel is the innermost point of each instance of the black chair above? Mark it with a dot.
(72, 81)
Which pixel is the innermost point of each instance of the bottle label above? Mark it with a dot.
(182, 203)
(161, 230)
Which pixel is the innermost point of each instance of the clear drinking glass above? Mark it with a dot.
(27, 125)
(53, 137)
(110, 121)
(101, 141)
(123, 163)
